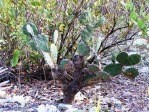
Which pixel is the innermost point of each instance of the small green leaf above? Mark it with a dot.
(133, 15)
(141, 23)
(113, 69)
(131, 6)
(131, 73)
(15, 58)
(83, 49)
(35, 3)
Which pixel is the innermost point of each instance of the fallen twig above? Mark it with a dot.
(4, 83)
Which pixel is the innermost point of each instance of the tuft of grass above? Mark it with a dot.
(98, 105)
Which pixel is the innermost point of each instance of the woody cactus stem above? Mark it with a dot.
(78, 76)
(81, 77)
(74, 87)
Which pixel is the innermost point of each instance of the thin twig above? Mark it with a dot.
(111, 32)
(116, 43)
(63, 38)
(4, 83)
(71, 46)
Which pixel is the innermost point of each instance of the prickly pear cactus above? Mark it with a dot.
(131, 73)
(90, 79)
(30, 29)
(86, 33)
(84, 18)
(104, 75)
(124, 60)
(97, 43)
(133, 60)
(128, 60)
(83, 49)
(42, 41)
(122, 57)
(54, 52)
(63, 63)
(99, 22)
(39, 42)
(33, 46)
(55, 37)
(93, 67)
(113, 69)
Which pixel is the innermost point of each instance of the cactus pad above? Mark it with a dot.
(93, 67)
(97, 42)
(55, 36)
(131, 73)
(133, 60)
(54, 52)
(89, 29)
(83, 49)
(94, 78)
(33, 46)
(113, 69)
(42, 42)
(63, 62)
(84, 18)
(104, 75)
(99, 22)
(122, 57)
(30, 29)
(86, 33)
